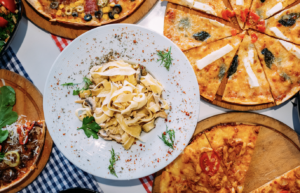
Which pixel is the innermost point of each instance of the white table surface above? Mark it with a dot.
(37, 51)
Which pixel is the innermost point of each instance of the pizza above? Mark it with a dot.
(197, 169)
(234, 145)
(285, 25)
(241, 9)
(85, 12)
(287, 183)
(247, 83)
(281, 64)
(211, 62)
(187, 30)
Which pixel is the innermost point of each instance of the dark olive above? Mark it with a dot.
(54, 5)
(74, 14)
(117, 9)
(22, 165)
(98, 14)
(88, 17)
(111, 15)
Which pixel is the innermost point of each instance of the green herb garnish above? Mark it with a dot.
(171, 137)
(165, 58)
(7, 116)
(112, 162)
(69, 84)
(2, 156)
(90, 127)
(87, 83)
(6, 32)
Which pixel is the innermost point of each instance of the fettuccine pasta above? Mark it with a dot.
(124, 100)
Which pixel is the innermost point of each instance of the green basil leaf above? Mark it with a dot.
(3, 135)
(8, 117)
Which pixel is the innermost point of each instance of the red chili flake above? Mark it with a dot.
(134, 41)
(51, 85)
(143, 51)
(58, 117)
(164, 133)
(187, 113)
(57, 83)
(184, 92)
(179, 72)
(169, 153)
(166, 120)
(134, 142)
(64, 134)
(141, 145)
(169, 121)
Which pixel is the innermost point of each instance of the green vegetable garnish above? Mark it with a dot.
(165, 58)
(7, 116)
(90, 127)
(112, 162)
(87, 83)
(69, 84)
(171, 137)
(6, 32)
(2, 156)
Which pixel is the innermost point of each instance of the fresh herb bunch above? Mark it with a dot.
(171, 137)
(5, 32)
(165, 58)
(87, 83)
(90, 127)
(112, 162)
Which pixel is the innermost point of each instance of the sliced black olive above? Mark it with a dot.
(88, 17)
(117, 9)
(22, 165)
(269, 57)
(74, 14)
(98, 14)
(289, 20)
(233, 67)
(111, 15)
(54, 5)
(262, 1)
(201, 36)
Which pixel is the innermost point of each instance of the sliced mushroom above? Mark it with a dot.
(91, 103)
(161, 114)
(104, 135)
(117, 138)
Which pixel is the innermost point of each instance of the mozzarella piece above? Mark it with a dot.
(247, 63)
(204, 7)
(239, 2)
(189, 3)
(216, 23)
(291, 48)
(274, 9)
(278, 33)
(210, 58)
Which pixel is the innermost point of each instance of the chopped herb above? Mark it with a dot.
(69, 84)
(112, 162)
(184, 23)
(90, 127)
(76, 92)
(165, 58)
(171, 136)
(8, 29)
(2, 156)
(87, 83)
(269, 57)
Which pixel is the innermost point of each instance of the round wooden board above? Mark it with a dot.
(29, 102)
(218, 100)
(72, 32)
(277, 149)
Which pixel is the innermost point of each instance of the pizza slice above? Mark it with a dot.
(281, 64)
(285, 25)
(197, 169)
(234, 145)
(288, 182)
(216, 7)
(211, 62)
(247, 83)
(188, 30)
(241, 9)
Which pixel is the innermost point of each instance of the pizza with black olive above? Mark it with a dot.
(187, 30)
(211, 62)
(285, 25)
(86, 12)
(281, 64)
(247, 83)
(234, 145)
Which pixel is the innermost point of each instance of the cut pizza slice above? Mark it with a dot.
(188, 30)
(285, 25)
(216, 7)
(247, 83)
(241, 9)
(281, 64)
(211, 62)
(288, 182)
(234, 145)
(197, 169)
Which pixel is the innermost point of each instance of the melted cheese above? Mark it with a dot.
(189, 3)
(239, 2)
(247, 62)
(210, 58)
(278, 33)
(274, 9)
(291, 48)
(204, 7)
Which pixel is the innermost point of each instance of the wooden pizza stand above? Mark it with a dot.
(277, 149)
(29, 102)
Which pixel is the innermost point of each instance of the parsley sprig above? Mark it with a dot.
(69, 84)
(165, 58)
(168, 140)
(87, 83)
(112, 162)
(90, 127)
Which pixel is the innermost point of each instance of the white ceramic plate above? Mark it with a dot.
(133, 43)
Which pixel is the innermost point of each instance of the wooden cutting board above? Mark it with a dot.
(29, 102)
(277, 149)
(72, 32)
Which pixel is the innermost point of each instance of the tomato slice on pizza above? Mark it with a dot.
(209, 164)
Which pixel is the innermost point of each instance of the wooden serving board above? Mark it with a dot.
(72, 32)
(277, 149)
(29, 102)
